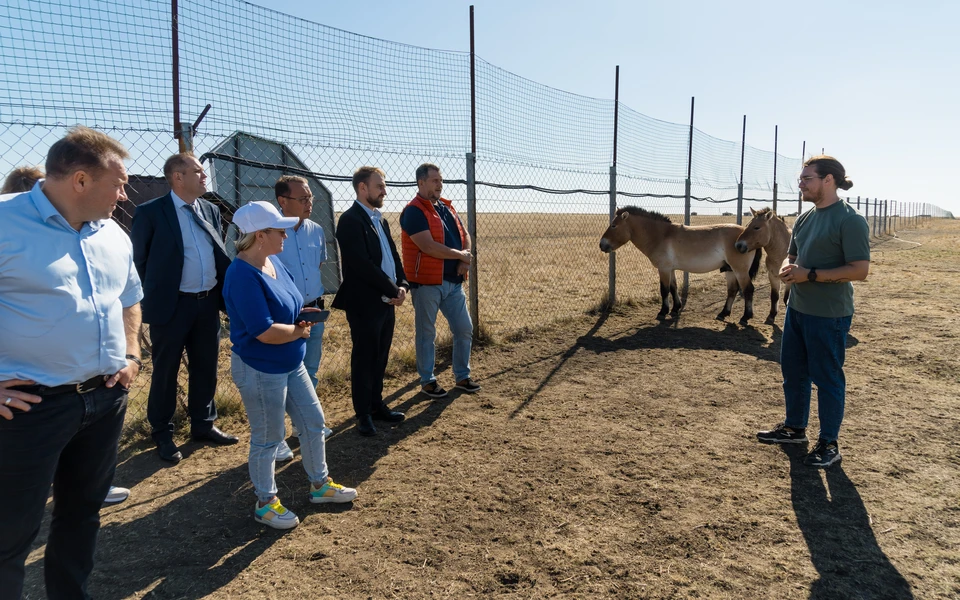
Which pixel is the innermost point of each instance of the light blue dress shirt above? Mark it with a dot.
(199, 268)
(303, 252)
(387, 263)
(62, 293)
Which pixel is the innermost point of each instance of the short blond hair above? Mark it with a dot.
(362, 175)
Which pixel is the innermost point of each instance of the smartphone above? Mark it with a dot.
(313, 316)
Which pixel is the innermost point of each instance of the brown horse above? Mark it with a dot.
(695, 249)
(768, 231)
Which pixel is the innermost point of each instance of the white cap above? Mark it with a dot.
(255, 216)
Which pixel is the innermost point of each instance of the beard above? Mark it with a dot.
(812, 197)
(375, 201)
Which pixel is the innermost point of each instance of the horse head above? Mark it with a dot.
(757, 232)
(618, 233)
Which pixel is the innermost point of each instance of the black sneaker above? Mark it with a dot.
(434, 390)
(468, 385)
(781, 434)
(824, 454)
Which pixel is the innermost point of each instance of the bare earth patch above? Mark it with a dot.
(607, 456)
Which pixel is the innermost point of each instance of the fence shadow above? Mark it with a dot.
(836, 527)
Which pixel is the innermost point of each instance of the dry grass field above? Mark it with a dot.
(535, 270)
(608, 455)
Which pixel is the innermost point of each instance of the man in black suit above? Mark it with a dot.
(373, 285)
(178, 251)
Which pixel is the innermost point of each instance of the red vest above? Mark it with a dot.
(418, 266)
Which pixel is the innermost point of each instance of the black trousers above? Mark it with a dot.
(195, 327)
(372, 335)
(69, 440)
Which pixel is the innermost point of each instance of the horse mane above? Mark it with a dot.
(642, 212)
(763, 211)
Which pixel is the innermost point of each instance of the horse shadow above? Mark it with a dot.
(668, 334)
(837, 529)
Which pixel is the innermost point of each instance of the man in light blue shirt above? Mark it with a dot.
(69, 349)
(304, 251)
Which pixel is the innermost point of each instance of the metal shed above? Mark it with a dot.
(244, 168)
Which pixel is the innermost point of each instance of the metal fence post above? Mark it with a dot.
(776, 138)
(612, 264)
(743, 150)
(686, 201)
(612, 276)
(472, 230)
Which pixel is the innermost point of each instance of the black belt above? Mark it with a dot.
(77, 388)
(197, 295)
(318, 303)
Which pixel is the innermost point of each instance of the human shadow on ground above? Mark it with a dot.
(190, 547)
(203, 536)
(837, 529)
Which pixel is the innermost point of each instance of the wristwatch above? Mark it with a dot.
(812, 275)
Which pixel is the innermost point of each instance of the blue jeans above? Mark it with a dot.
(314, 351)
(812, 350)
(70, 440)
(266, 396)
(448, 299)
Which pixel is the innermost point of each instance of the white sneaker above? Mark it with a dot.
(331, 492)
(116, 495)
(284, 452)
(275, 515)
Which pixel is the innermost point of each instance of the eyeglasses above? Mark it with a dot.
(809, 178)
(304, 199)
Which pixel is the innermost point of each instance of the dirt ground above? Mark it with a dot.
(607, 456)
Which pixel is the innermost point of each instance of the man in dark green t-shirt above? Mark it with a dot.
(829, 249)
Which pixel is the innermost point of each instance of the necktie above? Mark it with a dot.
(204, 225)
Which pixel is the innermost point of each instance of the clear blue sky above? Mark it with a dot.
(875, 83)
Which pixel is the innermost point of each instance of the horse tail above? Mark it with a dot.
(755, 267)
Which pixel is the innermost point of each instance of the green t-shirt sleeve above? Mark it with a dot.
(855, 239)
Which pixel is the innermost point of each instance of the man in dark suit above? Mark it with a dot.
(178, 251)
(373, 285)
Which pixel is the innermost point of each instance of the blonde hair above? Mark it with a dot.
(246, 241)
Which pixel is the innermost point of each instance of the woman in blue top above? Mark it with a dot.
(267, 362)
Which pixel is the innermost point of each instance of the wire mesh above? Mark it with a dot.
(324, 101)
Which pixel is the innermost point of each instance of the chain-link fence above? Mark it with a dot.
(291, 96)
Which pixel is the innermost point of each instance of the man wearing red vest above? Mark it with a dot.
(436, 256)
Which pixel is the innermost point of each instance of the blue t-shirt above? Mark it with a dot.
(413, 221)
(256, 301)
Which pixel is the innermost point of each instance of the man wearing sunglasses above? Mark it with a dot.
(304, 252)
(829, 249)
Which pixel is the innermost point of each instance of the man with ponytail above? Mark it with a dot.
(829, 249)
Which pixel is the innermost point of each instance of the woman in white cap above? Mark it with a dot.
(267, 362)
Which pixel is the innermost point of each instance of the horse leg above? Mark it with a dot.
(774, 295)
(677, 305)
(732, 288)
(664, 290)
(747, 286)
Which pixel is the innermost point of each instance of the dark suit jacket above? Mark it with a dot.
(364, 282)
(158, 254)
